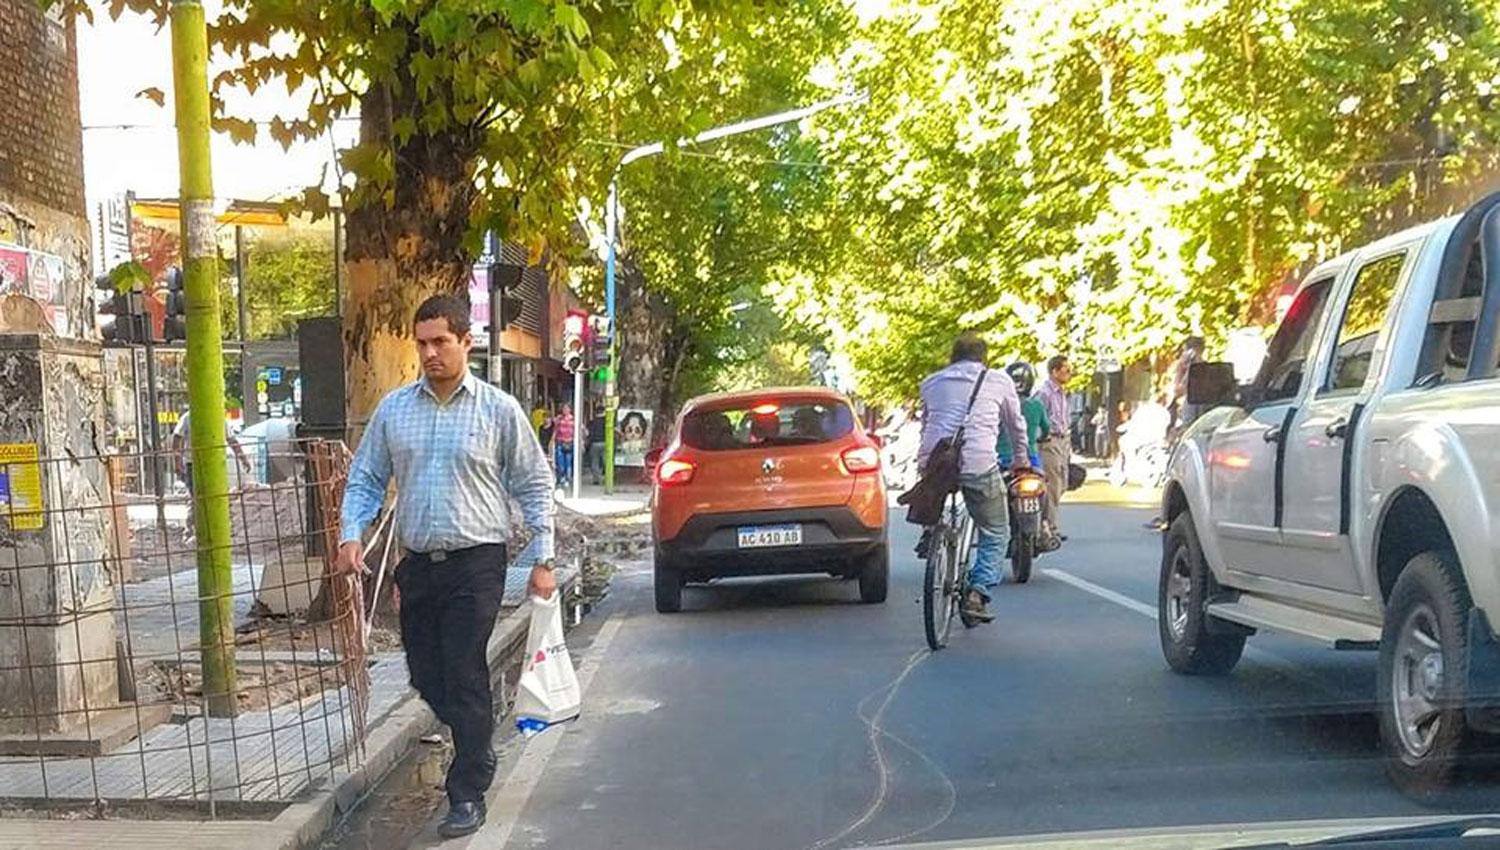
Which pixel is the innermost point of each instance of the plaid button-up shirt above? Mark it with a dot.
(453, 463)
(1055, 401)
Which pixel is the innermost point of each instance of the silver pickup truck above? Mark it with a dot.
(1351, 493)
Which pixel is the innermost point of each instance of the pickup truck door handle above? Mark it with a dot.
(1272, 434)
(1337, 429)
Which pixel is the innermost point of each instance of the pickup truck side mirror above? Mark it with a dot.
(1212, 385)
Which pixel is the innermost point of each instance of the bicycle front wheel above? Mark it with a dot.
(938, 594)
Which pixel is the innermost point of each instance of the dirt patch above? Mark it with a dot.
(259, 686)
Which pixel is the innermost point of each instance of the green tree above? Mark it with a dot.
(1105, 177)
(286, 279)
(474, 116)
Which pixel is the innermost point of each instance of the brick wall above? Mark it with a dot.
(41, 141)
(42, 207)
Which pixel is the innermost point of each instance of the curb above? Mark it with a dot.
(303, 825)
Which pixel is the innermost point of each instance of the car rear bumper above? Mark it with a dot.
(834, 540)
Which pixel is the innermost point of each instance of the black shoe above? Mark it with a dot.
(974, 609)
(924, 546)
(463, 819)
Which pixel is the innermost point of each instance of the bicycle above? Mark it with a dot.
(950, 553)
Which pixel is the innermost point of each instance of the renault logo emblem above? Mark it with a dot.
(768, 466)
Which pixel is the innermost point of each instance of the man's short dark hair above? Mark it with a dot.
(969, 347)
(454, 308)
(1057, 361)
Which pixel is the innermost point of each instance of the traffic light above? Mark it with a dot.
(116, 324)
(574, 347)
(174, 324)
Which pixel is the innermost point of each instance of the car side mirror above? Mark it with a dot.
(1212, 385)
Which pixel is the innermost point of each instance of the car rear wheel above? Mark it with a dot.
(875, 576)
(1189, 640)
(1424, 662)
(668, 583)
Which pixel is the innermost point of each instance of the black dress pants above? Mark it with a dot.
(448, 607)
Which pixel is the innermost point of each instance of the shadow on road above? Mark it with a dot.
(764, 593)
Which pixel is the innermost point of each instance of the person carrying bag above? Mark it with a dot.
(939, 477)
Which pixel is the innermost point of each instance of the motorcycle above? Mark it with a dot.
(1025, 490)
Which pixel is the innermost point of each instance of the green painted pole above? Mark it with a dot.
(205, 356)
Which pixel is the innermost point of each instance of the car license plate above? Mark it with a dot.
(1028, 506)
(758, 536)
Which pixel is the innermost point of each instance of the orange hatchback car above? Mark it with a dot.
(771, 482)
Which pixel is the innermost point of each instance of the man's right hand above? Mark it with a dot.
(351, 558)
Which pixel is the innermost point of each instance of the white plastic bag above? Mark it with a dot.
(548, 692)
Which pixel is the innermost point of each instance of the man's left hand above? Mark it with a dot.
(542, 583)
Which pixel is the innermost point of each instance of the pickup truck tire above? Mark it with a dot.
(1182, 617)
(1424, 662)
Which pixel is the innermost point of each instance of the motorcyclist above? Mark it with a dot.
(1032, 411)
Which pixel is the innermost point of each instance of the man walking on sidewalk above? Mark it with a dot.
(455, 447)
(1057, 446)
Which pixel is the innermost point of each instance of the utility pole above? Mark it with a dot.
(205, 355)
(239, 284)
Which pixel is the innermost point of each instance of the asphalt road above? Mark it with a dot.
(783, 714)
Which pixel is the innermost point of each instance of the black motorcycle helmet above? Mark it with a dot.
(1024, 376)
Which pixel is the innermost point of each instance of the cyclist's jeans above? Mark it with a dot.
(985, 496)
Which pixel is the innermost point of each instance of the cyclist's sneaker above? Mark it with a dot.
(975, 610)
(924, 546)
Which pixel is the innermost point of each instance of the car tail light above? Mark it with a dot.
(674, 471)
(862, 459)
(1030, 485)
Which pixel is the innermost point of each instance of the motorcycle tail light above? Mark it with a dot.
(1030, 486)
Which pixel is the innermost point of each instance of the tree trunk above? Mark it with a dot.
(647, 366)
(400, 253)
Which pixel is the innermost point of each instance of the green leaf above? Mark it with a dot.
(568, 17)
(130, 275)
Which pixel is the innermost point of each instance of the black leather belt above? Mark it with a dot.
(437, 556)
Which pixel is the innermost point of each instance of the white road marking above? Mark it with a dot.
(1102, 592)
(1285, 667)
(508, 799)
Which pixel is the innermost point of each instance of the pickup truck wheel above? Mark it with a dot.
(875, 576)
(1182, 618)
(1424, 663)
(668, 585)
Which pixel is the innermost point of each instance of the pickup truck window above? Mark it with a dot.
(1286, 356)
(1369, 302)
(1450, 330)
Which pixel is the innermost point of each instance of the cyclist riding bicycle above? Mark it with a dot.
(968, 394)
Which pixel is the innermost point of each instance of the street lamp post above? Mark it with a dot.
(611, 226)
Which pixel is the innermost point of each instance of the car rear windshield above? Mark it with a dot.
(759, 424)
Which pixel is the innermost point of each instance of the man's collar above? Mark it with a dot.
(469, 383)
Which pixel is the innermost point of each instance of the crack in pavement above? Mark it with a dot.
(875, 733)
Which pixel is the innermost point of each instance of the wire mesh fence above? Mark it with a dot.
(120, 680)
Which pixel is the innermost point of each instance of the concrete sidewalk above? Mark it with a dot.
(592, 500)
(297, 826)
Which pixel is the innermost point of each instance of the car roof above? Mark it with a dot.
(729, 399)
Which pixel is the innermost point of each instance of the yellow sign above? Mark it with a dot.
(21, 485)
